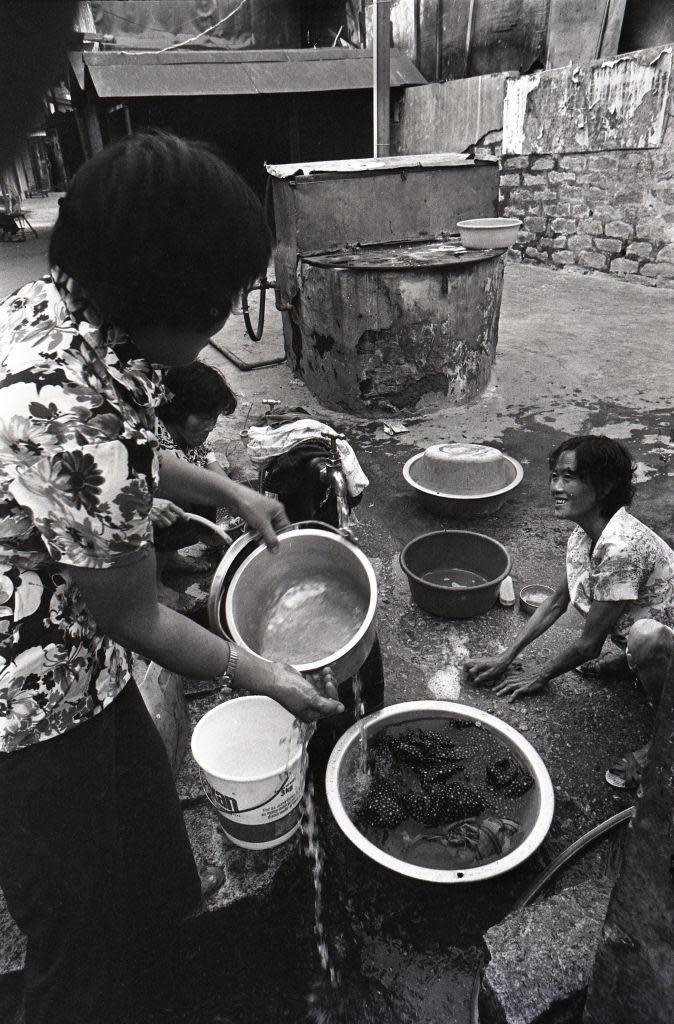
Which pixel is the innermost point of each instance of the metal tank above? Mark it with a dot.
(383, 309)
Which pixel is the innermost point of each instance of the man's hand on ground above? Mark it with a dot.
(526, 683)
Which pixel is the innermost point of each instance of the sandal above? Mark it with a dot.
(627, 771)
(607, 667)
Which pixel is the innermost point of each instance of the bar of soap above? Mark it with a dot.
(506, 594)
(462, 469)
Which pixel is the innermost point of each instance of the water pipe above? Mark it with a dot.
(572, 851)
(255, 333)
(240, 364)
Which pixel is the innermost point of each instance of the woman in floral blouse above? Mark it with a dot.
(94, 859)
(619, 576)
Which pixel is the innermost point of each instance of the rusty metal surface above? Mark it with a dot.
(402, 256)
(369, 340)
(314, 213)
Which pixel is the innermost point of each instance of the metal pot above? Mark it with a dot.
(249, 577)
(345, 759)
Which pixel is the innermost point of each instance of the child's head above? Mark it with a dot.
(196, 396)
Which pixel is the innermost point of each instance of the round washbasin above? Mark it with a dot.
(489, 232)
(343, 768)
(455, 573)
(463, 479)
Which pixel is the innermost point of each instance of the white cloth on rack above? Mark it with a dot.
(268, 442)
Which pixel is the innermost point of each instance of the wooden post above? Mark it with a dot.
(633, 980)
(294, 136)
(127, 119)
(382, 77)
(93, 127)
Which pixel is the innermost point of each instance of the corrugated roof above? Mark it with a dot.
(243, 72)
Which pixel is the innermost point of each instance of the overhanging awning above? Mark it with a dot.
(237, 73)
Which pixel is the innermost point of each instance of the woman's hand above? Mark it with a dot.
(524, 685)
(308, 699)
(264, 515)
(486, 671)
(164, 512)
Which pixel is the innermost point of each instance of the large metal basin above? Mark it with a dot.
(345, 757)
(262, 579)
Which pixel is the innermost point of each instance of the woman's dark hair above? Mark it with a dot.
(198, 389)
(160, 231)
(605, 464)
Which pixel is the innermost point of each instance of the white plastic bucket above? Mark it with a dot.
(249, 751)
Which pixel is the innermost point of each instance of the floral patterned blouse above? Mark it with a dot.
(199, 456)
(78, 468)
(629, 563)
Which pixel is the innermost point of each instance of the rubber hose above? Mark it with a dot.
(550, 871)
(572, 851)
(255, 333)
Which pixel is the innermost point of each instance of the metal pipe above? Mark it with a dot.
(382, 77)
(439, 17)
(469, 38)
(240, 364)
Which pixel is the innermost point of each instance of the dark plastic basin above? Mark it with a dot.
(458, 549)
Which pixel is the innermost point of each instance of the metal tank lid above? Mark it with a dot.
(374, 164)
(405, 255)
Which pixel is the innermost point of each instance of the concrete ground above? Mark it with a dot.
(577, 353)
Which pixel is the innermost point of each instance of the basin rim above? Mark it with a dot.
(398, 714)
(480, 496)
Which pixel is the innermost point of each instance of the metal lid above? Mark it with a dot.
(407, 255)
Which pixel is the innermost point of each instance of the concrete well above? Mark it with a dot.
(407, 329)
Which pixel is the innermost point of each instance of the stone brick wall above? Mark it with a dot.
(609, 211)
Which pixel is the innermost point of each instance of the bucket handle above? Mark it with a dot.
(212, 794)
(201, 521)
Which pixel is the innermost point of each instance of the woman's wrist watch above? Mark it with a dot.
(228, 676)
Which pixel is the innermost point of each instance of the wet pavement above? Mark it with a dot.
(576, 353)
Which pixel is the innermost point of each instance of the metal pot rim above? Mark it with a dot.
(335, 538)
(399, 713)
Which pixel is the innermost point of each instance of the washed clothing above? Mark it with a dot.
(78, 469)
(629, 563)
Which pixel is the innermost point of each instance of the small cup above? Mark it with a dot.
(533, 595)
